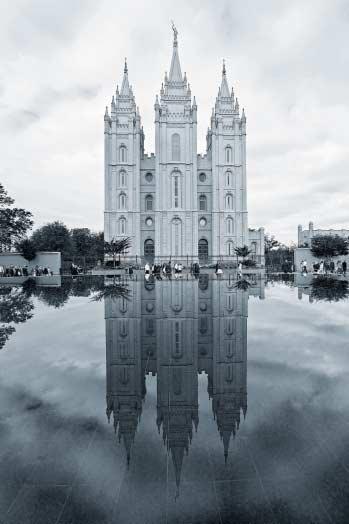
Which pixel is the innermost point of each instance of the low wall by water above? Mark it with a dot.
(51, 259)
(304, 253)
(43, 281)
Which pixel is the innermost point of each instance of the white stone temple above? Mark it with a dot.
(177, 203)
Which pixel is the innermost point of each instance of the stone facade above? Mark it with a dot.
(177, 329)
(305, 235)
(175, 203)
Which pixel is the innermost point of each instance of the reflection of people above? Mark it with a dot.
(339, 266)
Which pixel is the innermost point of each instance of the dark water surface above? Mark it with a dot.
(227, 403)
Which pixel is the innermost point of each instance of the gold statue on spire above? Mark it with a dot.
(175, 32)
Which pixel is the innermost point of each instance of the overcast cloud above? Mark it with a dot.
(288, 62)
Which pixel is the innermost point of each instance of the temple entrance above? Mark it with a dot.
(203, 250)
(149, 250)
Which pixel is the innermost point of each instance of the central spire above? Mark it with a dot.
(224, 85)
(175, 70)
(125, 88)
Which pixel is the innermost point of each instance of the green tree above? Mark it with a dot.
(53, 237)
(270, 243)
(82, 241)
(27, 248)
(116, 247)
(98, 245)
(14, 221)
(242, 252)
(328, 246)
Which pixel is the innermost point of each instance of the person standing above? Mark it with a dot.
(344, 267)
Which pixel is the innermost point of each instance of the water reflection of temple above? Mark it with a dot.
(176, 329)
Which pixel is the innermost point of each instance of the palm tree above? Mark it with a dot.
(242, 252)
(116, 247)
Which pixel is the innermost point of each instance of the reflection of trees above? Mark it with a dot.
(15, 308)
(16, 305)
(242, 284)
(329, 289)
(285, 278)
(113, 291)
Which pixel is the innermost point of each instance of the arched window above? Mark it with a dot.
(203, 203)
(229, 178)
(122, 154)
(176, 146)
(149, 249)
(203, 249)
(122, 201)
(122, 226)
(230, 226)
(230, 248)
(229, 201)
(228, 155)
(149, 203)
(122, 178)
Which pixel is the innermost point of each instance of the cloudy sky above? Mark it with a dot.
(288, 62)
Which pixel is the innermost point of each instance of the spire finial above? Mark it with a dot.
(175, 33)
(223, 71)
(125, 68)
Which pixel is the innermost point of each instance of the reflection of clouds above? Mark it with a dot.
(312, 337)
(52, 404)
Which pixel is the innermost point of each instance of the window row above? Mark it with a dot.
(149, 199)
(229, 202)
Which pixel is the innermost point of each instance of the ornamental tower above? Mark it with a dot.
(226, 146)
(176, 218)
(123, 144)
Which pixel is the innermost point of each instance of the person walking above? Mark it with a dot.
(305, 266)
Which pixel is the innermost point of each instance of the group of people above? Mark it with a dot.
(325, 266)
(75, 269)
(163, 269)
(24, 271)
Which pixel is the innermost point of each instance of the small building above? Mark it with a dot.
(305, 235)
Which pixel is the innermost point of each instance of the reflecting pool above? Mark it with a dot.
(174, 401)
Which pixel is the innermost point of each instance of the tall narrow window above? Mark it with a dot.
(149, 203)
(229, 178)
(122, 178)
(230, 226)
(230, 249)
(122, 154)
(176, 191)
(229, 201)
(122, 226)
(228, 155)
(202, 203)
(122, 201)
(176, 146)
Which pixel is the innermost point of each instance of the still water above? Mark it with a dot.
(178, 401)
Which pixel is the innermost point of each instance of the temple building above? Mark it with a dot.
(177, 203)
